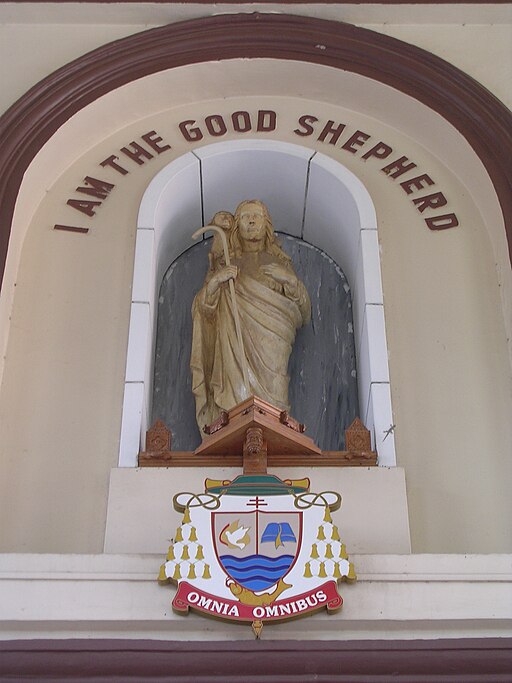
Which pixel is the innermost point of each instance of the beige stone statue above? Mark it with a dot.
(226, 221)
(271, 304)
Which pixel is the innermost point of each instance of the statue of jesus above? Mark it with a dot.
(272, 304)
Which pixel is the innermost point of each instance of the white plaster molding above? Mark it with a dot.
(312, 196)
(395, 597)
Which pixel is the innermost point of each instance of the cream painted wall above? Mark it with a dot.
(475, 38)
(450, 376)
(60, 400)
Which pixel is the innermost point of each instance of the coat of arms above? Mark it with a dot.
(257, 549)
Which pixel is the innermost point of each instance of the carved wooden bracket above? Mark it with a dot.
(158, 444)
(255, 452)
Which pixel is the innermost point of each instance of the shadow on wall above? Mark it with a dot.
(322, 367)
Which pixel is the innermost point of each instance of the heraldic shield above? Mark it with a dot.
(257, 549)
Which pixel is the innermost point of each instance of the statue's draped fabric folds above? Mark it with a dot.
(272, 304)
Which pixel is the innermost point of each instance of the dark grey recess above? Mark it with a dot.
(322, 368)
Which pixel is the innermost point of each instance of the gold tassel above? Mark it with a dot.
(351, 576)
(170, 553)
(321, 534)
(337, 573)
(191, 572)
(335, 535)
(322, 573)
(184, 554)
(186, 516)
(179, 536)
(328, 552)
(193, 535)
(206, 572)
(162, 576)
(314, 552)
(307, 571)
(177, 573)
(327, 516)
(343, 552)
(199, 553)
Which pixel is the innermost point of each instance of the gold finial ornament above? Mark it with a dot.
(257, 627)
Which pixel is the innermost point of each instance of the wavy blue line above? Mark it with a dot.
(250, 559)
(262, 570)
(257, 565)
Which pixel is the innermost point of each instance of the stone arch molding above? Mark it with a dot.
(321, 202)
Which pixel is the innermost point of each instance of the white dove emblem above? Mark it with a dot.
(235, 535)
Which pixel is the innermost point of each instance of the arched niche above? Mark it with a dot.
(312, 197)
(322, 390)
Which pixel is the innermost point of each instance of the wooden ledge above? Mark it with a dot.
(323, 459)
(284, 444)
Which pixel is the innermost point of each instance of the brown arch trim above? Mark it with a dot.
(481, 118)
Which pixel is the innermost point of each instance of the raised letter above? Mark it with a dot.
(333, 132)
(215, 125)
(305, 122)
(272, 611)
(193, 597)
(152, 138)
(266, 121)
(217, 606)
(70, 228)
(241, 121)
(449, 220)
(192, 134)
(302, 605)
(417, 183)
(204, 602)
(96, 188)
(398, 167)
(110, 161)
(359, 138)
(380, 150)
(430, 201)
(233, 612)
(137, 153)
(321, 596)
(84, 206)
